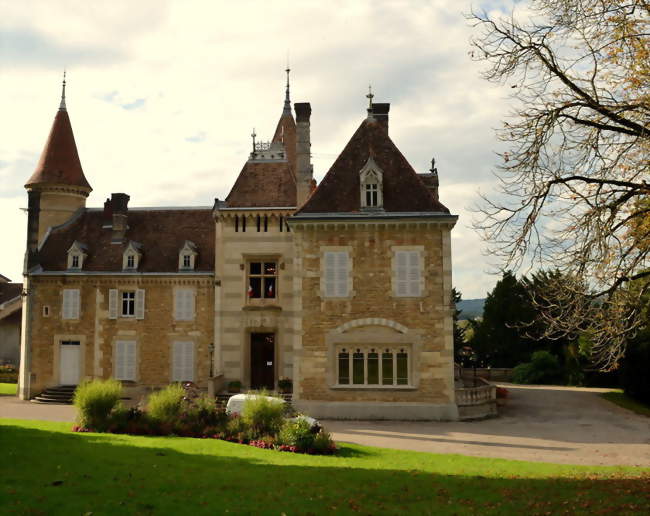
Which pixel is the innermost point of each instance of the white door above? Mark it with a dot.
(70, 362)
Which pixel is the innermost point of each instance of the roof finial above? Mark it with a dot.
(253, 135)
(369, 97)
(287, 101)
(62, 105)
(433, 168)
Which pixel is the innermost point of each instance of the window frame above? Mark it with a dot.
(263, 276)
(181, 315)
(116, 369)
(414, 286)
(74, 304)
(131, 302)
(396, 382)
(333, 293)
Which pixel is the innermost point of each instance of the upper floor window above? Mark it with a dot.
(262, 280)
(407, 273)
(71, 303)
(371, 181)
(187, 256)
(76, 255)
(335, 270)
(126, 303)
(132, 255)
(184, 304)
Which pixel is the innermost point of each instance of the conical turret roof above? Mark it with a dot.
(59, 163)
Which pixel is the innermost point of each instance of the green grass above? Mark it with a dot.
(55, 471)
(8, 389)
(622, 400)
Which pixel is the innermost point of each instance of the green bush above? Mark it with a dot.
(323, 443)
(297, 433)
(165, 405)
(263, 415)
(543, 368)
(236, 428)
(95, 400)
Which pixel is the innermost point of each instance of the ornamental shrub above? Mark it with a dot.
(95, 400)
(263, 415)
(297, 433)
(543, 368)
(164, 406)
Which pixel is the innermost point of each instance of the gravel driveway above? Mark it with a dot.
(539, 423)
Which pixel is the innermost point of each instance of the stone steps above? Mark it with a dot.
(61, 395)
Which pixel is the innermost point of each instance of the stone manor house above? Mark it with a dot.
(343, 287)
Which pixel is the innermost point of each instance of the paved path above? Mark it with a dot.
(539, 423)
(548, 424)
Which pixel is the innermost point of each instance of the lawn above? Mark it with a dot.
(8, 389)
(624, 401)
(55, 471)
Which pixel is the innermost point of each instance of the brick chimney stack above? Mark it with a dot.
(119, 207)
(380, 113)
(304, 169)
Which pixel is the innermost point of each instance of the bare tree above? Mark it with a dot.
(574, 190)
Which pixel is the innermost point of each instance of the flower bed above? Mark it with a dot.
(182, 411)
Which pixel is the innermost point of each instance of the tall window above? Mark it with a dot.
(373, 366)
(407, 274)
(336, 271)
(372, 191)
(184, 304)
(75, 261)
(71, 303)
(128, 304)
(187, 261)
(262, 280)
(183, 361)
(125, 360)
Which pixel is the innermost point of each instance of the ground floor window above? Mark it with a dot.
(183, 361)
(373, 366)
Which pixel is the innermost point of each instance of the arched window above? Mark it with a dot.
(371, 181)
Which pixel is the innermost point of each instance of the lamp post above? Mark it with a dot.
(211, 350)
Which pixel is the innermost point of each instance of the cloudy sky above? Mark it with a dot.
(163, 96)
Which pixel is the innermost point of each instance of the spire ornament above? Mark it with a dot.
(287, 100)
(253, 135)
(62, 105)
(369, 96)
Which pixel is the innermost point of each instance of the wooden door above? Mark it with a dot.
(70, 362)
(263, 361)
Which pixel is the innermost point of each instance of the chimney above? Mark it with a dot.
(380, 113)
(33, 215)
(119, 206)
(304, 169)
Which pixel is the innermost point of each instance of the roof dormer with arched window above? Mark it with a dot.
(131, 257)
(371, 183)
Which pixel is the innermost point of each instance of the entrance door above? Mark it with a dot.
(262, 360)
(70, 362)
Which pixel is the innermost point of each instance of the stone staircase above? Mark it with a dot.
(58, 395)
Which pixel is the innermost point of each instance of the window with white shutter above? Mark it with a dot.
(139, 304)
(183, 361)
(407, 271)
(112, 303)
(71, 303)
(336, 271)
(184, 304)
(125, 360)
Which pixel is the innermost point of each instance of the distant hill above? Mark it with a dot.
(470, 308)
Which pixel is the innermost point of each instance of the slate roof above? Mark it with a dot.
(9, 291)
(263, 184)
(403, 190)
(59, 163)
(162, 233)
(285, 132)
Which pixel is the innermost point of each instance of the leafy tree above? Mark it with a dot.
(574, 190)
(459, 331)
(500, 338)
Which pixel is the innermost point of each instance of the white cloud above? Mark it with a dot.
(198, 76)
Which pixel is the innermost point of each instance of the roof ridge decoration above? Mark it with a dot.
(287, 101)
(62, 106)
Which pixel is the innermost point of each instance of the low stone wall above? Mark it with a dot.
(494, 374)
(476, 401)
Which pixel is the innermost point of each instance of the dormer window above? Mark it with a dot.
(131, 256)
(371, 182)
(76, 255)
(187, 256)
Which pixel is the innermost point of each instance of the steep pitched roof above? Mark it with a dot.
(285, 133)
(59, 163)
(9, 291)
(403, 190)
(162, 233)
(263, 184)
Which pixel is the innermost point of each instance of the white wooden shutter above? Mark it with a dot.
(183, 362)
(184, 304)
(112, 303)
(342, 274)
(125, 360)
(330, 274)
(71, 304)
(414, 273)
(401, 273)
(139, 304)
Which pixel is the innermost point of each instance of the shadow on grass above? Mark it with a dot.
(52, 472)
